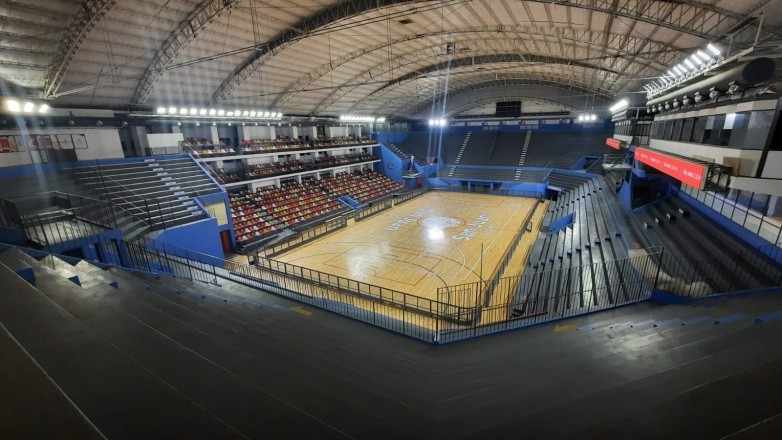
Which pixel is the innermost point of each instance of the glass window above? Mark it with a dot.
(686, 135)
(668, 130)
(699, 130)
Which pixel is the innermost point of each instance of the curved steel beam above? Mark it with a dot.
(197, 21)
(303, 29)
(686, 16)
(651, 51)
(438, 51)
(380, 94)
(431, 96)
(88, 16)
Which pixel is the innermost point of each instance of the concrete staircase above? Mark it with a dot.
(156, 192)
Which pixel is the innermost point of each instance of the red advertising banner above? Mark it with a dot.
(613, 143)
(691, 173)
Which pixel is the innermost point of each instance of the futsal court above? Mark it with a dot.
(436, 240)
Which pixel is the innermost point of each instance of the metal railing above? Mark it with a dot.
(377, 207)
(302, 237)
(767, 228)
(54, 218)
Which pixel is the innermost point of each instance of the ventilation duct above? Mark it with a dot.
(750, 73)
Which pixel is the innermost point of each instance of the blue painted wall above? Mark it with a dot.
(202, 238)
(392, 137)
(391, 165)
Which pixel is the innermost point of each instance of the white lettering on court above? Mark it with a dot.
(468, 233)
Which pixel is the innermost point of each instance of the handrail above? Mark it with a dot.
(103, 181)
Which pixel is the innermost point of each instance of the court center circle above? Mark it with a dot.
(440, 222)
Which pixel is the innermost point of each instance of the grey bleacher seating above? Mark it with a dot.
(587, 247)
(566, 180)
(507, 148)
(491, 174)
(734, 265)
(561, 149)
(479, 148)
(157, 191)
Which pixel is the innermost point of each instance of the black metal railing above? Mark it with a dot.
(303, 236)
(54, 217)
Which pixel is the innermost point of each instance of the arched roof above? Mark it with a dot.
(326, 57)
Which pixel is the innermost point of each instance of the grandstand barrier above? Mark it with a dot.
(756, 223)
(373, 208)
(409, 195)
(303, 237)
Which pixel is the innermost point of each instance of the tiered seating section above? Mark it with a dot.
(552, 149)
(250, 220)
(339, 142)
(294, 203)
(361, 187)
(204, 148)
(582, 248)
(271, 208)
(265, 145)
(271, 169)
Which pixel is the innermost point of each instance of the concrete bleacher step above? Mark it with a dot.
(164, 345)
(51, 336)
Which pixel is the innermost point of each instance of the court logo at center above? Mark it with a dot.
(441, 222)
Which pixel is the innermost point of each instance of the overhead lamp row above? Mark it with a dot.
(15, 106)
(220, 113)
(356, 118)
(438, 122)
(587, 118)
(700, 60)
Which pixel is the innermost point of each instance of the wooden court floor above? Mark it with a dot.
(429, 242)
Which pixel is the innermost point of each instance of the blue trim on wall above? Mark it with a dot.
(202, 237)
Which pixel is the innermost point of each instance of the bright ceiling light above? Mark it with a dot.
(161, 110)
(689, 64)
(172, 110)
(237, 112)
(182, 111)
(193, 111)
(593, 118)
(202, 112)
(28, 107)
(713, 49)
(252, 114)
(697, 60)
(265, 114)
(43, 108)
(702, 55)
(230, 114)
(682, 67)
(246, 113)
(212, 112)
(677, 70)
(621, 105)
(380, 120)
(12, 105)
(220, 112)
